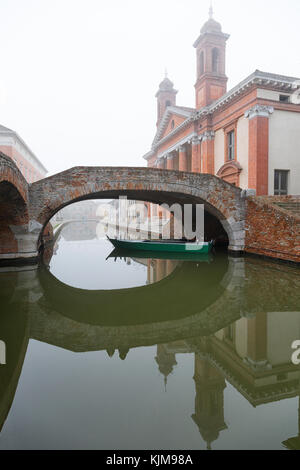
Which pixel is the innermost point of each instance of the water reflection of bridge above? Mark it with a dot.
(233, 336)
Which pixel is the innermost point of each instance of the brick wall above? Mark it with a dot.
(271, 230)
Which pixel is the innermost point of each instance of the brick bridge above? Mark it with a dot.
(26, 209)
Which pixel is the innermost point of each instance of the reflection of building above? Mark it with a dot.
(79, 231)
(158, 269)
(15, 148)
(248, 136)
(252, 354)
(209, 401)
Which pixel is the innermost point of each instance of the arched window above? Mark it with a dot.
(215, 60)
(201, 63)
(168, 103)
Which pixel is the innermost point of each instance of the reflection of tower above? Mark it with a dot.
(158, 269)
(123, 353)
(209, 401)
(166, 361)
(110, 351)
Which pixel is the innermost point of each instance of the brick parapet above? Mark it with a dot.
(271, 230)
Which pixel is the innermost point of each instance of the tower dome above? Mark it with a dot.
(166, 85)
(211, 26)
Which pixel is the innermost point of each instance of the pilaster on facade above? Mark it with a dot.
(170, 156)
(259, 111)
(207, 152)
(170, 161)
(182, 158)
(161, 163)
(196, 155)
(258, 155)
(208, 135)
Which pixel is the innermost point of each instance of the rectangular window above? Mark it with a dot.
(230, 150)
(281, 182)
(284, 98)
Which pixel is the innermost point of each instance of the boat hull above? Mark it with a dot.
(164, 247)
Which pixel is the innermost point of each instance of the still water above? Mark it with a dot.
(133, 353)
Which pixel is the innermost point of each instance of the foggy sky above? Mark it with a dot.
(78, 77)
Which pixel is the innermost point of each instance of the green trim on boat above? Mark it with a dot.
(162, 246)
(121, 253)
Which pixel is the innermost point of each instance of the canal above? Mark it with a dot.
(108, 352)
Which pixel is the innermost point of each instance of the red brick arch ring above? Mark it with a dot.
(14, 214)
(221, 199)
(10, 173)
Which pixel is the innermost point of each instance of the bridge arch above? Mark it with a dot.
(10, 173)
(221, 199)
(14, 215)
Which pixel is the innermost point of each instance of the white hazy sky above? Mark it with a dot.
(78, 77)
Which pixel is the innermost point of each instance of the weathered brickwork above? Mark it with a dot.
(13, 204)
(9, 172)
(159, 186)
(271, 230)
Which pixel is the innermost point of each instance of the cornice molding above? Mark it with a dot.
(175, 147)
(165, 120)
(257, 79)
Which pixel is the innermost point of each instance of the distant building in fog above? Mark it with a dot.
(83, 210)
(15, 148)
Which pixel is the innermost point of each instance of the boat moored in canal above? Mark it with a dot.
(165, 246)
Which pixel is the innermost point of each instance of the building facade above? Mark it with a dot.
(14, 147)
(248, 136)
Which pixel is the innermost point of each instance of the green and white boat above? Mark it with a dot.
(165, 246)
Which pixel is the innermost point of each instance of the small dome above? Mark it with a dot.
(211, 26)
(166, 85)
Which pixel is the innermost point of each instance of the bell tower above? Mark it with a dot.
(210, 48)
(166, 96)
